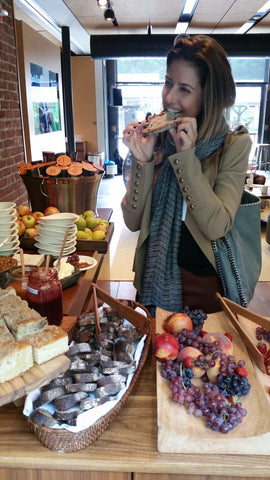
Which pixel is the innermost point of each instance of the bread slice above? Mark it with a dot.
(4, 292)
(10, 303)
(15, 359)
(27, 326)
(161, 122)
(5, 335)
(48, 343)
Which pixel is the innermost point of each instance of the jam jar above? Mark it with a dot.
(44, 294)
(19, 279)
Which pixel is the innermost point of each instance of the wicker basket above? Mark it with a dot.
(62, 440)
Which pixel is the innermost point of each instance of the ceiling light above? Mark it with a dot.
(256, 18)
(186, 15)
(189, 7)
(109, 14)
(103, 3)
(265, 7)
(181, 27)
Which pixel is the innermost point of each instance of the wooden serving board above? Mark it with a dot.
(179, 432)
(100, 246)
(35, 377)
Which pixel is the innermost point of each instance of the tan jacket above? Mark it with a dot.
(212, 190)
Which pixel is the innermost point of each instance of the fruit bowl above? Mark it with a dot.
(100, 246)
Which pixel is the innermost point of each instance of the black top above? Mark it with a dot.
(191, 257)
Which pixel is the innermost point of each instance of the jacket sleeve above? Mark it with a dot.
(137, 200)
(213, 189)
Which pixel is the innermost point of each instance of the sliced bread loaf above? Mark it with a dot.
(48, 343)
(15, 359)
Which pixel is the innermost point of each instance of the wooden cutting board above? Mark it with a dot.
(179, 432)
(35, 377)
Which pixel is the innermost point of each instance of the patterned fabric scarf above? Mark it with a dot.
(161, 279)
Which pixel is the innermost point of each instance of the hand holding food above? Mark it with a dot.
(140, 146)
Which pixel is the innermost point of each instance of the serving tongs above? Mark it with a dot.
(232, 310)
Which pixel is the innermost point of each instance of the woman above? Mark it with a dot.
(186, 184)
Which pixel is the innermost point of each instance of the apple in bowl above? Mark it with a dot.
(29, 221)
(51, 211)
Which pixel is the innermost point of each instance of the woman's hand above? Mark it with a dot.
(185, 134)
(140, 147)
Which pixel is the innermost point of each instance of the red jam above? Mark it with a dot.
(44, 294)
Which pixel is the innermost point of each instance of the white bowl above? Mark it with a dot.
(53, 253)
(56, 233)
(7, 206)
(57, 240)
(13, 243)
(53, 247)
(7, 213)
(12, 236)
(8, 253)
(6, 232)
(5, 220)
(59, 219)
(53, 227)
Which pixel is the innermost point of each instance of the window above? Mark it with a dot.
(141, 82)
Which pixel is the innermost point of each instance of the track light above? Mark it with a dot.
(109, 14)
(103, 3)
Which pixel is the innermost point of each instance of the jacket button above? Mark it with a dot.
(181, 180)
(139, 167)
(137, 183)
(189, 197)
(185, 189)
(136, 191)
(176, 161)
(192, 206)
(135, 198)
(138, 175)
(134, 206)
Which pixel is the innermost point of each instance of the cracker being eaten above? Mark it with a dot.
(161, 122)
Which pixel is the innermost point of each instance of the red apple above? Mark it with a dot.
(166, 347)
(37, 215)
(225, 343)
(176, 322)
(23, 210)
(29, 221)
(193, 353)
(51, 211)
(21, 227)
(30, 232)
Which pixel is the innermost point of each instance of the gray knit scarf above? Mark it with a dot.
(161, 285)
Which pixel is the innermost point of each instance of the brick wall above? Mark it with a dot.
(11, 137)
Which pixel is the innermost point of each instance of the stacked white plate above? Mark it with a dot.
(51, 234)
(8, 229)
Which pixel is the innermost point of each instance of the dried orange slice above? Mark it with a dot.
(75, 169)
(63, 161)
(53, 171)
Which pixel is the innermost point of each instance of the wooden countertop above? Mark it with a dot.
(128, 445)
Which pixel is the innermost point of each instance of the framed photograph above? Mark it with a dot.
(45, 99)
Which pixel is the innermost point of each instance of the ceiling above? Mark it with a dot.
(86, 19)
